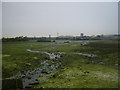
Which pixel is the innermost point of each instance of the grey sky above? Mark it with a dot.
(42, 19)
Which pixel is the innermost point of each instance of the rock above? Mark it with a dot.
(34, 83)
(28, 86)
(22, 76)
(44, 71)
(36, 79)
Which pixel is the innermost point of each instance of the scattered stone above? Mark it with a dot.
(34, 83)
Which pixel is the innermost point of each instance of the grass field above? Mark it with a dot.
(16, 58)
(76, 72)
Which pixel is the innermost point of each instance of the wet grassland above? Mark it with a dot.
(86, 64)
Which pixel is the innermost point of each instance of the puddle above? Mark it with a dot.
(29, 50)
(51, 55)
(88, 55)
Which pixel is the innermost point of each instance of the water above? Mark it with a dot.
(30, 77)
(51, 55)
(88, 55)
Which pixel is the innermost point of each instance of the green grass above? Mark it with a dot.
(84, 72)
(76, 72)
(15, 58)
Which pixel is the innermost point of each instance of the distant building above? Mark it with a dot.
(49, 36)
(82, 35)
(65, 37)
(57, 34)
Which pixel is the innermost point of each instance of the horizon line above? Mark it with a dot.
(59, 35)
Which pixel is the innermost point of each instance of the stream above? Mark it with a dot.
(30, 77)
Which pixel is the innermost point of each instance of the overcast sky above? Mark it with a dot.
(44, 18)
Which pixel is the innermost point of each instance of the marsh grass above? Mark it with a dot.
(77, 74)
(76, 71)
(15, 58)
(84, 72)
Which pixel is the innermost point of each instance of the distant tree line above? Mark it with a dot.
(44, 39)
(53, 39)
(64, 38)
(21, 38)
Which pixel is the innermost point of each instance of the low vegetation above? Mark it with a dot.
(85, 72)
(16, 39)
(76, 71)
(15, 58)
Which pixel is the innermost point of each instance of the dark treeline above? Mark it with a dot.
(21, 38)
(53, 39)
(44, 39)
